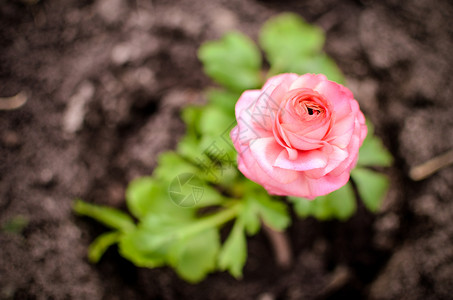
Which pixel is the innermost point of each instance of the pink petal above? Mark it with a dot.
(341, 132)
(302, 143)
(246, 101)
(309, 81)
(326, 184)
(338, 96)
(274, 81)
(266, 151)
(250, 168)
(363, 127)
(335, 157)
(311, 188)
(353, 151)
(306, 160)
(314, 131)
(248, 130)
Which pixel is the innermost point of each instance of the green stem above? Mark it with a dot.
(211, 221)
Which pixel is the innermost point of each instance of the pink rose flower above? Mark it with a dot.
(298, 135)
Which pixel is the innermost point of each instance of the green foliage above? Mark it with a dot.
(101, 244)
(108, 216)
(294, 46)
(15, 225)
(195, 256)
(372, 187)
(234, 62)
(223, 99)
(233, 254)
(196, 190)
(373, 152)
(192, 254)
(149, 196)
(273, 212)
(339, 204)
(289, 37)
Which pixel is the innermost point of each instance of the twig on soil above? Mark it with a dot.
(431, 166)
(281, 246)
(14, 102)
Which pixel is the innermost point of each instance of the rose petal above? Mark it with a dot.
(248, 130)
(341, 132)
(246, 101)
(309, 81)
(353, 151)
(306, 160)
(302, 143)
(335, 157)
(266, 151)
(250, 168)
(314, 132)
(338, 97)
(326, 184)
(311, 188)
(275, 81)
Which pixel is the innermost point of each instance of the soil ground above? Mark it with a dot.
(105, 81)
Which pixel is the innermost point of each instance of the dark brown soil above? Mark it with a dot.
(105, 81)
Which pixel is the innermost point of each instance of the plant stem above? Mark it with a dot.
(281, 246)
(211, 221)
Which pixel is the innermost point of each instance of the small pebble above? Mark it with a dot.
(266, 296)
(10, 139)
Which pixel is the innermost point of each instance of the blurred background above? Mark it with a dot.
(90, 94)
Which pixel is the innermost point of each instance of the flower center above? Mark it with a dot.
(313, 109)
(309, 109)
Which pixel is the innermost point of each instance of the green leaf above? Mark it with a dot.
(108, 216)
(139, 196)
(372, 152)
(190, 116)
(319, 64)
(339, 204)
(214, 120)
(196, 256)
(170, 165)
(101, 244)
(233, 61)
(249, 216)
(287, 39)
(190, 246)
(223, 99)
(372, 187)
(15, 225)
(258, 204)
(189, 146)
(147, 195)
(342, 202)
(149, 244)
(144, 248)
(273, 212)
(233, 254)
